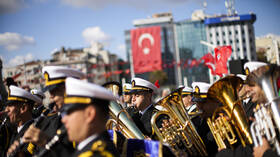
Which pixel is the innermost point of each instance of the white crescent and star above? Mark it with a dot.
(148, 36)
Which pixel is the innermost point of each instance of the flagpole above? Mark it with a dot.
(132, 74)
(178, 67)
(211, 77)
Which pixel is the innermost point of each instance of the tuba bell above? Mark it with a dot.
(120, 119)
(228, 119)
(267, 115)
(179, 132)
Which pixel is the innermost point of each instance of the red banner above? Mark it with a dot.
(209, 61)
(222, 54)
(146, 49)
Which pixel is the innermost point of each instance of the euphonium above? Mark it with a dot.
(120, 117)
(179, 132)
(230, 115)
(267, 115)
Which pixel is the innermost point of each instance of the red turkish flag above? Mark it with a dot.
(146, 47)
(222, 53)
(209, 61)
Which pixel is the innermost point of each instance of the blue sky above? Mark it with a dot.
(32, 29)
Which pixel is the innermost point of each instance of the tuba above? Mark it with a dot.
(228, 119)
(267, 116)
(120, 119)
(179, 132)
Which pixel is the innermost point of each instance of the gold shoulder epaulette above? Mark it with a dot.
(30, 148)
(98, 146)
(86, 154)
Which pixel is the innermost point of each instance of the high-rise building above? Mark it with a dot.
(189, 34)
(234, 30)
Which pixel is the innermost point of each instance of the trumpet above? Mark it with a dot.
(267, 115)
(179, 132)
(119, 116)
(230, 118)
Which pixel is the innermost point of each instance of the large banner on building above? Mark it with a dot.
(146, 49)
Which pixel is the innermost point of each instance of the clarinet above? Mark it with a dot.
(4, 121)
(36, 122)
(59, 134)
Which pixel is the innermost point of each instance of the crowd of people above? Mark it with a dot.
(201, 120)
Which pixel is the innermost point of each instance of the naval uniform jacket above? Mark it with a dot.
(143, 122)
(28, 148)
(101, 146)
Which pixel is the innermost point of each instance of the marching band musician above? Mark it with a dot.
(84, 115)
(187, 97)
(127, 97)
(142, 92)
(258, 96)
(38, 108)
(208, 106)
(246, 89)
(54, 83)
(19, 110)
(200, 99)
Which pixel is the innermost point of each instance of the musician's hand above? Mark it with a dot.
(12, 148)
(259, 151)
(35, 136)
(252, 119)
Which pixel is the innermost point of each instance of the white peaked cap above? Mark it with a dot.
(243, 77)
(187, 89)
(76, 87)
(127, 87)
(19, 94)
(200, 87)
(139, 84)
(37, 92)
(251, 66)
(62, 72)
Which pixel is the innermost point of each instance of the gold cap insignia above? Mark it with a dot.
(197, 90)
(133, 83)
(247, 71)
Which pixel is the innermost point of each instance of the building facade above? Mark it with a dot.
(235, 30)
(97, 63)
(27, 74)
(270, 46)
(94, 61)
(189, 35)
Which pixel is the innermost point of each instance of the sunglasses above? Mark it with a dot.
(68, 109)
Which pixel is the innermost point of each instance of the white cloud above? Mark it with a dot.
(8, 6)
(14, 41)
(17, 60)
(95, 34)
(143, 4)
